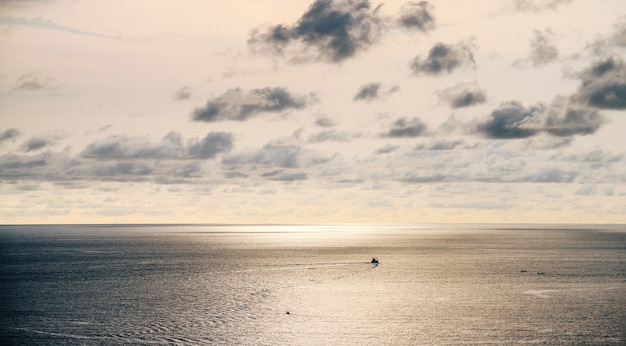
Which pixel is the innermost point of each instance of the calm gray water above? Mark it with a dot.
(435, 285)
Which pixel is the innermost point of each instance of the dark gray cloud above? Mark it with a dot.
(367, 92)
(192, 169)
(12, 162)
(329, 30)
(171, 147)
(603, 85)
(118, 169)
(505, 122)
(124, 147)
(404, 127)
(213, 144)
(37, 143)
(183, 93)
(443, 58)
(463, 95)
(373, 91)
(572, 122)
(240, 105)
(539, 5)
(45, 166)
(9, 134)
(512, 120)
(417, 16)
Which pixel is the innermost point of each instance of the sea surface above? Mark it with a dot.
(313, 285)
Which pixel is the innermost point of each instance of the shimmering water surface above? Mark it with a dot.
(435, 285)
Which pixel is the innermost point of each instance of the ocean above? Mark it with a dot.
(313, 285)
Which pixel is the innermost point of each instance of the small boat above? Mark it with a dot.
(374, 260)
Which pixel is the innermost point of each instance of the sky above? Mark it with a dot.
(312, 111)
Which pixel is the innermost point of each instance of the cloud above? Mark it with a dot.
(331, 136)
(386, 149)
(603, 85)
(619, 36)
(171, 147)
(277, 155)
(367, 92)
(124, 147)
(543, 49)
(47, 166)
(37, 143)
(34, 82)
(549, 175)
(463, 95)
(11, 162)
(403, 127)
(571, 121)
(423, 179)
(325, 122)
(213, 144)
(183, 93)
(504, 122)
(272, 173)
(417, 16)
(442, 144)
(20, 2)
(443, 58)
(281, 175)
(539, 5)
(121, 169)
(330, 31)
(547, 143)
(235, 175)
(291, 177)
(512, 120)
(595, 156)
(50, 25)
(9, 134)
(372, 91)
(287, 156)
(240, 105)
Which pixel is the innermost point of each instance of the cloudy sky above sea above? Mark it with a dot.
(301, 111)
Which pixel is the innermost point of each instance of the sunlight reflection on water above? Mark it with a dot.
(235, 285)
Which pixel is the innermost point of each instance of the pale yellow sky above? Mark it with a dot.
(98, 99)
